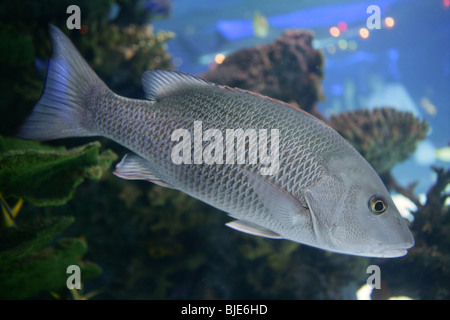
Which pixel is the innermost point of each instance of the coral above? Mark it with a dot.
(29, 266)
(288, 69)
(120, 55)
(44, 175)
(425, 272)
(383, 136)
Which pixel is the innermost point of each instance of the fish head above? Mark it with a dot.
(354, 213)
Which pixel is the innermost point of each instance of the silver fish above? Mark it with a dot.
(323, 193)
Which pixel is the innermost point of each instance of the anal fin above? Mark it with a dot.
(136, 168)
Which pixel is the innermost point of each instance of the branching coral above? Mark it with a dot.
(120, 55)
(383, 136)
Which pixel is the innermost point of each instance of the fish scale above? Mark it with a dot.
(252, 112)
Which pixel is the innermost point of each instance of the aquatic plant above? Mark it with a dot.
(384, 136)
(29, 265)
(42, 175)
(118, 42)
(288, 69)
(45, 175)
(160, 232)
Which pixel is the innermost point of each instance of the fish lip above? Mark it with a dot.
(395, 250)
(392, 253)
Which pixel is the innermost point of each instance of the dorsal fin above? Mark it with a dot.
(259, 95)
(161, 82)
(158, 83)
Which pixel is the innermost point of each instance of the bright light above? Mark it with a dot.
(389, 22)
(364, 33)
(364, 292)
(446, 3)
(401, 298)
(334, 31)
(219, 58)
(342, 26)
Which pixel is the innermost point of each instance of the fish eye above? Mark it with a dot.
(377, 204)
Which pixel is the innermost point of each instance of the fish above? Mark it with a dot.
(260, 25)
(323, 194)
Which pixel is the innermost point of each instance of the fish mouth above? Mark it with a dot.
(394, 251)
(397, 248)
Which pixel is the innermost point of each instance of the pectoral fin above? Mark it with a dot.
(281, 204)
(136, 168)
(253, 229)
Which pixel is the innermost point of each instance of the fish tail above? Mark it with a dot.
(62, 110)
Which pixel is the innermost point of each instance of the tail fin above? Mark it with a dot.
(69, 85)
